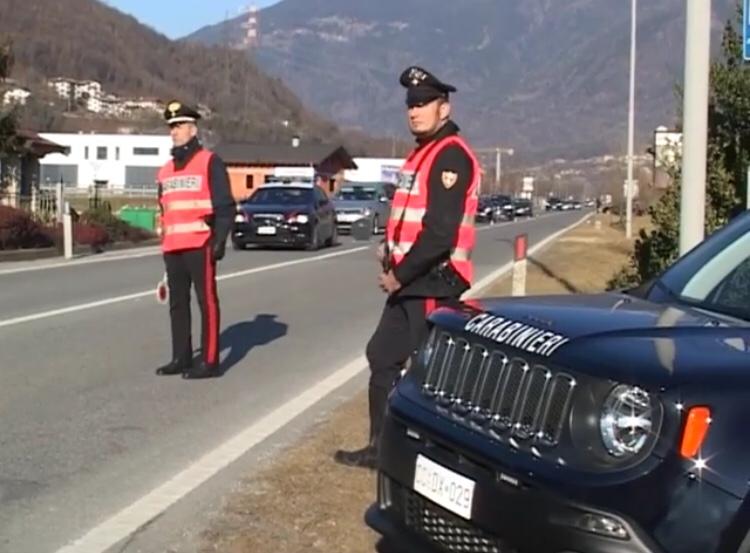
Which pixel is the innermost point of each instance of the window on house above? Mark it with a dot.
(117, 153)
(145, 151)
(101, 152)
(86, 152)
(249, 181)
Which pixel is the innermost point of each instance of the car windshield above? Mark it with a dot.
(281, 196)
(357, 193)
(716, 275)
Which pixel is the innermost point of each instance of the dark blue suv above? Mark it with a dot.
(611, 423)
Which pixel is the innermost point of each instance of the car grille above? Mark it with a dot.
(442, 528)
(268, 218)
(501, 393)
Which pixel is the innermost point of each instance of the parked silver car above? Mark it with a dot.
(357, 200)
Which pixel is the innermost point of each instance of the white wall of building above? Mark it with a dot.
(372, 169)
(120, 160)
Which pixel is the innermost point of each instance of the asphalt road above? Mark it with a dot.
(86, 428)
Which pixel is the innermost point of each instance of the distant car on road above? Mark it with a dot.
(357, 200)
(523, 208)
(502, 207)
(298, 214)
(485, 210)
(553, 204)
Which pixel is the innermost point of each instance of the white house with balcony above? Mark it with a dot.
(16, 95)
(118, 162)
(62, 86)
(87, 93)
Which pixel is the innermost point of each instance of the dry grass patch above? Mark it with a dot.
(305, 502)
(581, 261)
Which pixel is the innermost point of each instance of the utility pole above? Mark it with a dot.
(631, 126)
(498, 151)
(498, 168)
(695, 124)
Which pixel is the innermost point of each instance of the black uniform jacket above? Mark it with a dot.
(423, 272)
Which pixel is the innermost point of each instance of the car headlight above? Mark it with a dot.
(367, 212)
(302, 219)
(627, 420)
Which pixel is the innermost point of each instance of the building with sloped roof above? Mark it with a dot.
(252, 165)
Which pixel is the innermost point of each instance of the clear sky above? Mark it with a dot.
(177, 18)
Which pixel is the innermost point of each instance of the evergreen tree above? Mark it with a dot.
(9, 141)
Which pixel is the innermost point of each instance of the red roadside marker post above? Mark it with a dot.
(519, 265)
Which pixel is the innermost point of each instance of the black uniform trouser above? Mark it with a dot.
(194, 267)
(402, 327)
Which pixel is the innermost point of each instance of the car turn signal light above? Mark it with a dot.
(696, 429)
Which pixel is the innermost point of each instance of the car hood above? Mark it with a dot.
(616, 336)
(355, 204)
(274, 208)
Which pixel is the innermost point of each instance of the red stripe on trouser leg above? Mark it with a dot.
(212, 312)
(430, 304)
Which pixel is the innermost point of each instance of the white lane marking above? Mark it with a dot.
(152, 250)
(127, 521)
(140, 513)
(481, 285)
(147, 293)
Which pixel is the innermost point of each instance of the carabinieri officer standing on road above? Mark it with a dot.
(197, 212)
(429, 240)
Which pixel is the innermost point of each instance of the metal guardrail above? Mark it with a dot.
(40, 203)
(73, 191)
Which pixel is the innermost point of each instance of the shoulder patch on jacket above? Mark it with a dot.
(449, 178)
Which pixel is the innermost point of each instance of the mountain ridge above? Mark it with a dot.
(548, 78)
(87, 39)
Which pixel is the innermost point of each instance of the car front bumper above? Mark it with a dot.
(284, 235)
(517, 514)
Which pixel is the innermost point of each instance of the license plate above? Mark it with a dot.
(266, 231)
(349, 217)
(448, 489)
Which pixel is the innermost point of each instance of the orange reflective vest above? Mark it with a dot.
(185, 202)
(410, 205)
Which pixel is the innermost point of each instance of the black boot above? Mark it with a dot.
(174, 367)
(368, 455)
(203, 370)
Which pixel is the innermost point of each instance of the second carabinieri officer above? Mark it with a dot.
(429, 240)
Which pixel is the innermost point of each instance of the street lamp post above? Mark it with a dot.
(498, 151)
(499, 165)
(631, 125)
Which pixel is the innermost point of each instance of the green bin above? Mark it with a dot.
(141, 217)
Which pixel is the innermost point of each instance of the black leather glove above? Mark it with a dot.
(218, 248)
